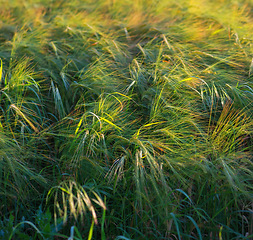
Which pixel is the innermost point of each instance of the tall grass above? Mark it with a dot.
(126, 120)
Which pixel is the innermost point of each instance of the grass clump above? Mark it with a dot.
(126, 120)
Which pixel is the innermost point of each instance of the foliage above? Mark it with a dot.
(126, 119)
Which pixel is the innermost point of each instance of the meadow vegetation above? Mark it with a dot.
(126, 119)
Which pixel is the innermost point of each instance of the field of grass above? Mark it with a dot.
(126, 119)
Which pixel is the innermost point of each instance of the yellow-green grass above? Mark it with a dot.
(126, 119)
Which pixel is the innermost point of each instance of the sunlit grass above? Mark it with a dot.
(126, 120)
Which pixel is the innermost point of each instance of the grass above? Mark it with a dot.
(126, 120)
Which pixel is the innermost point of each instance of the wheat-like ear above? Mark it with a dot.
(72, 199)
